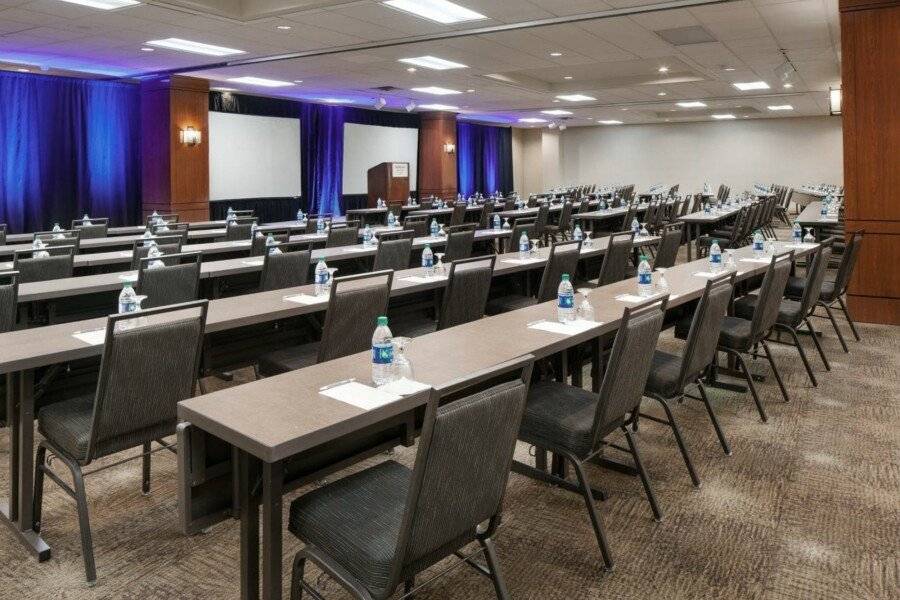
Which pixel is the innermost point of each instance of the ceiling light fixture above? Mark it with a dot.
(532, 120)
(433, 62)
(104, 4)
(558, 112)
(723, 117)
(410, 107)
(788, 86)
(663, 69)
(436, 90)
(567, 77)
(470, 91)
(781, 107)
(610, 122)
(223, 89)
(194, 47)
(23, 70)
(661, 94)
(752, 85)
(260, 81)
(835, 99)
(438, 107)
(692, 104)
(729, 69)
(298, 81)
(576, 98)
(555, 54)
(441, 11)
(284, 27)
(146, 49)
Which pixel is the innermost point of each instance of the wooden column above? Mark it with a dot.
(175, 176)
(870, 68)
(437, 167)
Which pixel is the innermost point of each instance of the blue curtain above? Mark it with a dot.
(484, 158)
(67, 146)
(322, 148)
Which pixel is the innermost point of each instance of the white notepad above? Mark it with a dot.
(306, 299)
(359, 395)
(802, 246)
(352, 249)
(253, 263)
(523, 261)
(94, 337)
(568, 328)
(763, 261)
(634, 298)
(404, 387)
(422, 279)
(707, 274)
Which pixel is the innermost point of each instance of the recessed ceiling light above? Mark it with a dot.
(610, 122)
(663, 69)
(724, 117)
(692, 104)
(557, 101)
(729, 69)
(532, 120)
(661, 94)
(194, 47)
(788, 86)
(438, 107)
(781, 107)
(146, 49)
(411, 70)
(624, 109)
(555, 54)
(567, 77)
(284, 27)
(470, 91)
(23, 70)
(104, 4)
(752, 85)
(576, 98)
(557, 112)
(298, 81)
(441, 11)
(261, 81)
(433, 62)
(436, 91)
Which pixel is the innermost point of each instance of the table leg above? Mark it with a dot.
(249, 532)
(697, 239)
(688, 231)
(272, 490)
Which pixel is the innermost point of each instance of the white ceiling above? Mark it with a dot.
(615, 60)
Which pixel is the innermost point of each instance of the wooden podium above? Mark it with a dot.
(390, 182)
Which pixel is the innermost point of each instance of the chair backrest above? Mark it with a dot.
(166, 244)
(461, 470)
(629, 363)
(150, 363)
(815, 275)
(703, 337)
(584, 206)
(169, 284)
(91, 228)
(563, 259)
(509, 204)
(460, 239)
(9, 300)
(628, 218)
(543, 215)
(347, 235)
(312, 222)
(238, 232)
(770, 294)
(459, 214)
(417, 224)
(667, 251)
(288, 268)
(32, 266)
(258, 243)
(172, 229)
(848, 262)
(615, 260)
(168, 218)
(526, 226)
(394, 250)
(565, 216)
(66, 237)
(355, 303)
(466, 294)
(3, 230)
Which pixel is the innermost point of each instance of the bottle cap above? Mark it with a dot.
(382, 321)
(565, 276)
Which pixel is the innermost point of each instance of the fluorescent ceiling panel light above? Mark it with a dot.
(433, 62)
(336, 100)
(693, 104)
(610, 122)
(436, 91)
(835, 98)
(752, 85)
(260, 81)
(724, 117)
(438, 107)
(441, 11)
(781, 107)
(194, 47)
(555, 54)
(104, 4)
(663, 69)
(576, 98)
(558, 112)
(532, 120)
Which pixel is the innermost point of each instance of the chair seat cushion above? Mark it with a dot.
(508, 303)
(289, 359)
(664, 373)
(561, 416)
(67, 425)
(734, 334)
(796, 286)
(789, 311)
(356, 521)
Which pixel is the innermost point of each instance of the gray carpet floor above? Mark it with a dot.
(808, 506)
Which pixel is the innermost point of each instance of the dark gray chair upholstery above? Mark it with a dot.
(379, 527)
(150, 363)
(460, 239)
(91, 228)
(526, 226)
(312, 222)
(615, 260)
(458, 216)
(9, 300)
(560, 229)
(540, 222)
(573, 423)
(258, 244)
(169, 284)
(4, 229)
(347, 235)
(239, 230)
(394, 250)
(168, 229)
(353, 307)
(285, 269)
(417, 224)
(166, 244)
(67, 237)
(58, 265)
(168, 218)
(563, 259)
(667, 251)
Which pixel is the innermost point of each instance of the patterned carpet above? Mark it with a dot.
(807, 507)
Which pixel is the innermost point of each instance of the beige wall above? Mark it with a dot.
(528, 160)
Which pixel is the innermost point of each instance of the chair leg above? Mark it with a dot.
(84, 524)
(749, 378)
(809, 371)
(712, 417)
(39, 459)
(490, 555)
(815, 338)
(645, 479)
(681, 446)
(837, 329)
(408, 587)
(846, 312)
(771, 359)
(592, 513)
(145, 469)
(297, 576)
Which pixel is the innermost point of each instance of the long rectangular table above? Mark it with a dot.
(699, 219)
(271, 420)
(812, 216)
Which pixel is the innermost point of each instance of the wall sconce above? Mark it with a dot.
(189, 136)
(449, 148)
(834, 100)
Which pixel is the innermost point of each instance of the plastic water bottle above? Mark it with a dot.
(128, 299)
(759, 248)
(382, 353)
(428, 261)
(809, 238)
(154, 252)
(715, 257)
(524, 246)
(635, 226)
(565, 305)
(496, 222)
(85, 217)
(823, 207)
(602, 204)
(435, 228)
(391, 219)
(367, 237)
(320, 225)
(506, 226)
(577, 234)
(645, 278)
(300, 216)
(321, 278)
(147, 233)
(796, 233)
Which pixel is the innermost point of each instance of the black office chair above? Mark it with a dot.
(380, 527)
(353, 307)
(91, 228)
(287, 268)
(563, 259)
(346, 235)
(170, 283)
(667, 251)
(147, 368)
(394, 250)
(574, 423)
(460, 239)
(166, 244)
(56, 262)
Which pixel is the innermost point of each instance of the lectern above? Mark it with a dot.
(390, 182)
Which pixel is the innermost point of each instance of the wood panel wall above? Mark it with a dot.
(175, 176)
(870, 43)
(437, 168)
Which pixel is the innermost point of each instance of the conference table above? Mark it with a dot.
(23, 351)
(272, 420)
(699, 219)
(804, 196)
(139, 229)
(811, 216)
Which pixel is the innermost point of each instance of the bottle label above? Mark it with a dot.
(322, 277)
(645, 279)
(427, 262)
(757, 245)
(715, 258)
(566, 300)
(383, 354)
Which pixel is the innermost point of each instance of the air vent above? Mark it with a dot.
(685, 36)
(387, 88)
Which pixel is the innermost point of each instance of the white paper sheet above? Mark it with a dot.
(306, 299)
(354, 249)
(762, 261)
(569, 328)
(802, 246)
(6, 265)
(523, 261)
(125, 254)
(360, 395)
(247, 243)
(93, 338)
(707, 274)
(634, 298)
(418, 279)
(404, 387)
(253, 263)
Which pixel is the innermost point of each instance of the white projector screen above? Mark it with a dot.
(253, 157)
(368, 145)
